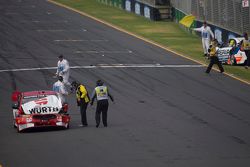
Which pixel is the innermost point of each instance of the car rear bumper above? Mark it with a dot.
(22, 127)
(33, 121)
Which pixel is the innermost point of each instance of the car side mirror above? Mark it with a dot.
(15, 96)
(15, 106)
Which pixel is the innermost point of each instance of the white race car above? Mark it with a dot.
(232, 54)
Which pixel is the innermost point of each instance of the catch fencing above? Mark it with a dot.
(231, 15)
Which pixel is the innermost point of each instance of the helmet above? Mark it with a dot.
(99, 82)
(60, 78)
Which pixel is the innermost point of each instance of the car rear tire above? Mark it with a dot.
(67, 127)
(18, 129)
(233, 61)
(14, 124)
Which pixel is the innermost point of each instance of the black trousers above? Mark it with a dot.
(247, 52)
(214, 60)
(102, 108)
(83, 108)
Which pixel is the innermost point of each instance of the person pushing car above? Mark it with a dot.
(59, 87)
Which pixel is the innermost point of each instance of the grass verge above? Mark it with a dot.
(167, 34)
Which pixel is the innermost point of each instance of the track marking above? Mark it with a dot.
(58, 30)
(107, 66)
(11, 13)
(141, 38)
(80, 40)
(103, 51)
(42, 21)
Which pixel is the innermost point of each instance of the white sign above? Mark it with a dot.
(147, 12)
(45, 105)
(128, 5)
(245, 3)
(218, 35)
(137, 8)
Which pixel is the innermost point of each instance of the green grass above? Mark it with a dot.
(168, 34)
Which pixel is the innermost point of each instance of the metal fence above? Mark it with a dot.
(228, 14)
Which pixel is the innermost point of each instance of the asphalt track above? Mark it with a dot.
(168, 112)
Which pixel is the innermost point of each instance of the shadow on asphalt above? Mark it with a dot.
(42, 129)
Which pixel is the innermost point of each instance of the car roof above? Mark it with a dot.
(38, 93)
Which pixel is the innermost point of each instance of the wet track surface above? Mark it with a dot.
(170, 116)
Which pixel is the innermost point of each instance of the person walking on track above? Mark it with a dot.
(101, 93)
(83, 99)
(63, 69)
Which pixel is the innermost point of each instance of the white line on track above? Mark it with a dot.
(11, 13)
(58, 30)
(102, 51)
(55, 30)
(107, 66)
(80, 40)
(42, 21)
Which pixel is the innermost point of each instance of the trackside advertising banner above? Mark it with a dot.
(45, 105)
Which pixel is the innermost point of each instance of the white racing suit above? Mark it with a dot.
(205, 35)
(61, 90)
(63, 70)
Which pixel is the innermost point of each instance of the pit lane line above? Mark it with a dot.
(106, 66)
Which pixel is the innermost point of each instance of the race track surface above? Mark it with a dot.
(167, 111)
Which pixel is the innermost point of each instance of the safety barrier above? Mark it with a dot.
(115, 3)
(147, 9)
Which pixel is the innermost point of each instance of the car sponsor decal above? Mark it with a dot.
(41, 101)
(44, 110)
(50, 104)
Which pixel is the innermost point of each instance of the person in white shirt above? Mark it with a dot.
(205, 35)
(60, 89)
(63, 69)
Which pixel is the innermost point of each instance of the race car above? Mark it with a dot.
(39, 109)
(232, 54)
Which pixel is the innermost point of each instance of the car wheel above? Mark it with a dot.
(18, 128)
(67, 126)
(14, 124)
(233, 60)
(245, 62)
